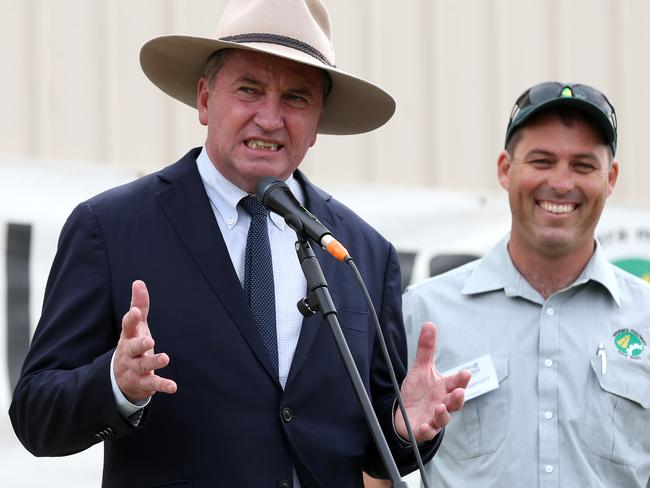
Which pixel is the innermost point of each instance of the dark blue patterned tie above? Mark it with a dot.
(258, 276)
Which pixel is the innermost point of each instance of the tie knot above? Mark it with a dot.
(253, 206)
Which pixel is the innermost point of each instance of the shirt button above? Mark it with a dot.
(548, 415)
(548, 363)
(287, 415)
(548, 468)
(550, 311)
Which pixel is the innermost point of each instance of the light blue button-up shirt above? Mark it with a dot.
(568, 412)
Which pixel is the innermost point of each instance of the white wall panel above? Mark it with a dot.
(72, 87)
(463, 93)
(352, 156)
(15, 36)
(632, 95)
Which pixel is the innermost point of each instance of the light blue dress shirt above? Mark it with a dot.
(568, 412)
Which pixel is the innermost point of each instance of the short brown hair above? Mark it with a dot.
(212, 66)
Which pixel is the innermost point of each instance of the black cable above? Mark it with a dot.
(391, 371)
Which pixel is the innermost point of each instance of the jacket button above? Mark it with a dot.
(284, 484)
(287, 415)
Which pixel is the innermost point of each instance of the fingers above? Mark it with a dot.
(455, 400)
(458, 380)
(148, 363)
(130, 322)
(153, 384)
(456, 384)
(135, 374)
(142, 365)
(140, 298)
(441, 417)
(144, 386)
(426, 346)
(139, 346)
(432, 397)
(134, 360)
(427, 431)
(134, 322)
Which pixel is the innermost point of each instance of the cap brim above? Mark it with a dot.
(175, 63)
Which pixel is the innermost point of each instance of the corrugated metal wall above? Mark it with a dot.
(72, 87)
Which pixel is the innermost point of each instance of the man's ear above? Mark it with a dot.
(612, 177)
(504, 165)
(202, 95)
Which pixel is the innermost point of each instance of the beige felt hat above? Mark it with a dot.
(298, 30)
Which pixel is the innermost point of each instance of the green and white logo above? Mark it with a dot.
(629, 343)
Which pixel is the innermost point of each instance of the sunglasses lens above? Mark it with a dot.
(534, 96)
(594, 96)
(544, 92)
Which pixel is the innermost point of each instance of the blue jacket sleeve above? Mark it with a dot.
(63, 402)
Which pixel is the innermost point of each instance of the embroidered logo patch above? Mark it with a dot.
(629, 343)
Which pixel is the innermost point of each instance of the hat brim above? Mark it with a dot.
(593, 112)
(175, 63)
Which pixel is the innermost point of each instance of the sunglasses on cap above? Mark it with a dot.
(553, 94)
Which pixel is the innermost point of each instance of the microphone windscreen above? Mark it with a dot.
(265, 186)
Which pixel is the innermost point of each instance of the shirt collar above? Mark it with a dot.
(225, 195)
(600, 270)
(496, 271)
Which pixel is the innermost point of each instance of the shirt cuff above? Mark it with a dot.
(130, 411)
(403, 442)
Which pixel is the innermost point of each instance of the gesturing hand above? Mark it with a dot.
(135, 361)
(428, 396)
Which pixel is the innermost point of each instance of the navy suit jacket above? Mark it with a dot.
(225, 425)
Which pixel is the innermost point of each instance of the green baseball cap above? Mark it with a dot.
(555, 94)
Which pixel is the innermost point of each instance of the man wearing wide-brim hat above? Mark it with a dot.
(186, 260)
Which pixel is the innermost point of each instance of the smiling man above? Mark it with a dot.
(555, 335)
(186, 259)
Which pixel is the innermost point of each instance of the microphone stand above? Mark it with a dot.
(319, 300)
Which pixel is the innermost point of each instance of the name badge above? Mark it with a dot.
(484, 376)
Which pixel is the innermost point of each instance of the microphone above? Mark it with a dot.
(277, 197)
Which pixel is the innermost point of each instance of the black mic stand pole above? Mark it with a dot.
(319, 300)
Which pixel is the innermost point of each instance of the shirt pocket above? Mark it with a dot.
(481, 426)
(618, 411)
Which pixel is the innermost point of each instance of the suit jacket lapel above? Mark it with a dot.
(186, 205)
(317, 202)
